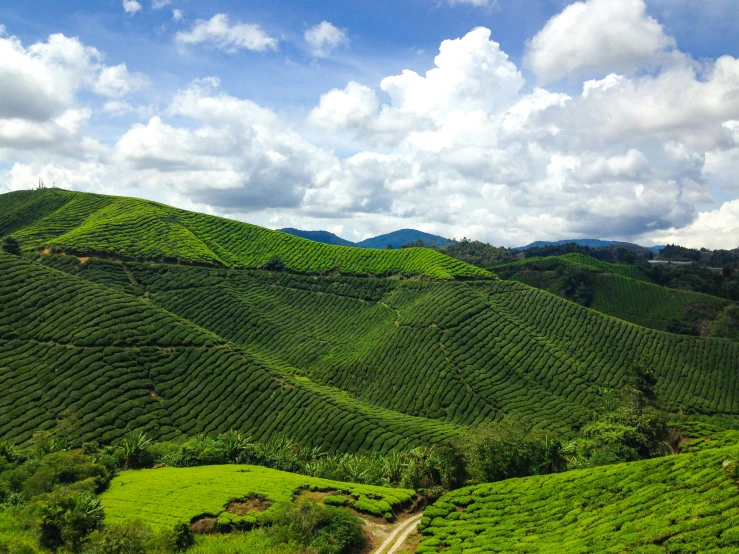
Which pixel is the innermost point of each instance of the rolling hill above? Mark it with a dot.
(404, 236)
(318, 236)
(345, 362)
(680, 504)
(619, 290)
(592, 243)
(132, 229)
(396, 239)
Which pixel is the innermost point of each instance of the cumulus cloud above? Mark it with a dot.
(231, 38)
(596, 36)
(463, 149)
(178, 15)
(131, 6)
(116, 81)
(475, 3)
(324, 38)
(159, 4)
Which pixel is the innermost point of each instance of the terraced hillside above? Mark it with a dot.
(129, 228)
(347, 363)
(677, 504)
(619, 290)
(200, 346)
(115, 362)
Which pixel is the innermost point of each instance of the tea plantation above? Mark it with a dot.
(619, 290)
(118, 363)
(128, 228)
(167, 496)
(678, 504)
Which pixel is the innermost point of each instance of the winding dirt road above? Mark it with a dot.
(396, 539)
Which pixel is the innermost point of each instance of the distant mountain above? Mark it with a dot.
(591, 243)
(404, 236)
(396, 238)
(319, 236)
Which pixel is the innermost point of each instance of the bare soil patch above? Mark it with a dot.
(249, 504)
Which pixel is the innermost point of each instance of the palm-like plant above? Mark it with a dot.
(133, 447)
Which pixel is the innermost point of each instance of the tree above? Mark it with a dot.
(275, 263)
(11, 246)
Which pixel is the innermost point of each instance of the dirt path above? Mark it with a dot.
(396, 539)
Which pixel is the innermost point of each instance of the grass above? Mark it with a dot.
(678, 504)
(257, 540)
(130, 229)
(166, 496)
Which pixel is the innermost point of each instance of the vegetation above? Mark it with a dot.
(167, 496)
(623, 291)
(678, 504)
(127, 228)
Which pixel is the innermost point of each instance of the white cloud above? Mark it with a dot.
(159, 4)
(596, 36)
(716, 229)
(131, 6)
(228, 37)
(116, 81)
(463, 149)
(324, 38)
(41, 81)
(178, 15)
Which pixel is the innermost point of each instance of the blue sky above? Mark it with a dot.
(401, 163)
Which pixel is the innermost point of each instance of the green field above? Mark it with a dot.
(128, 228)
(620, 290)
(678, 504)
(166, 496)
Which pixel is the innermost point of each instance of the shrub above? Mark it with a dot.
(11, 246)
(66, 517)
(65, 468)
(129, 538)
(327, 529)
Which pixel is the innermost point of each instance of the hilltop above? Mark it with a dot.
(396, 239)
(318, 236)
(132, 229)
(590, 243)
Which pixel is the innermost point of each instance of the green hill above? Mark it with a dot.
(116, 362)
(620, 290)
(678, 504)
(347, 363)
(132, 229)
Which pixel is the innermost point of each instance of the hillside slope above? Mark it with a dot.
(115, 362)
(620, 290)
(129, 228)
(677, 504)
(460, 353)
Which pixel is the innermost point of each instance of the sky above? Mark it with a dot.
(505, 121)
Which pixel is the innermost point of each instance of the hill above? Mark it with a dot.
(116, 362)
(346, 363)
(132, 229)
(404, 236)
(675, 504)
(591, 243)
(395, 239)
(318, 236)
(620, 290)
